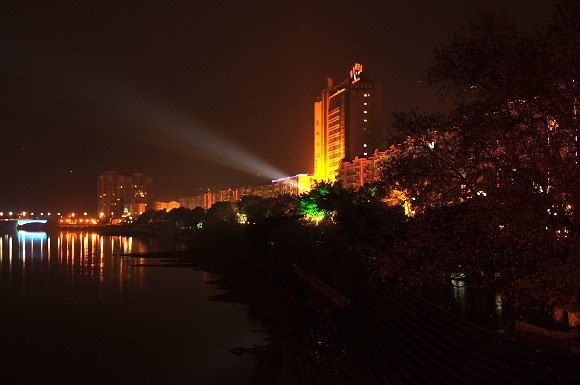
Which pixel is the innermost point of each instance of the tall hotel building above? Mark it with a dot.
(347, 123)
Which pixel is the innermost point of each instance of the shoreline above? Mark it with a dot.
(266, 283)
(277, 295)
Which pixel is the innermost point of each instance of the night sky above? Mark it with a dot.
(197, 95)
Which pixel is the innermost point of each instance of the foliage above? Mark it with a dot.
(222, 211)
(256, 209)
(283, 205)
(321, 202)
(363, 217)
(366, 220)
(495, 178)
(146, 217)
(417, 173)
(182, 215)
(253, 207)
(185, 216)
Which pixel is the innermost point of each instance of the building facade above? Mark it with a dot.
(191, 202)
(292, 185)
(139, 193)
(110, 195)
(168, 206)
(120, 195)
(347, 123)
(359, 171)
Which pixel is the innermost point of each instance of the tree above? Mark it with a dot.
(321, 202)
(186, 216)
(222, 212)
(253, 207)
(508, 143)
(284, 205)
(146, 217)
(197, 215)
(366, 219)
(413, 173)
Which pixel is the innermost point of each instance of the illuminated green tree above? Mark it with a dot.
(321, 202)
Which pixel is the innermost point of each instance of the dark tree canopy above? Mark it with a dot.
(504, 151)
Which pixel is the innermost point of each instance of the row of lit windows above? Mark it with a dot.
(333, 130)
(365, 120)
(334, 148)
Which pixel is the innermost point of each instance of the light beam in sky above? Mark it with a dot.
(69, 80)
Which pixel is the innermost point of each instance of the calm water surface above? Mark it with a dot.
(74, 310)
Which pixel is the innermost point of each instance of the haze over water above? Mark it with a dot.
(75, 310)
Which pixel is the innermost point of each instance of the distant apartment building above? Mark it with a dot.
(121, 195)
(347, 122)
(139, 192)
(168, 206)
(359, 171)
(292, 185)
(110, 195)
(191, 202)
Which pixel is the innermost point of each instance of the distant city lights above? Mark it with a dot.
(30, 217)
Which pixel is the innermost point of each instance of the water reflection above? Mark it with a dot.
(478, 305)
(78, 256)
(75, 308)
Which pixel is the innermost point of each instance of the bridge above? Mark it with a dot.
(15, 223)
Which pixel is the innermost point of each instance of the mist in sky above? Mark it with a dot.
(198, 96)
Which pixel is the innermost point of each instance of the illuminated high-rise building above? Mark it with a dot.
(139, 193)
(110, 195)
(120, 195)
(347, 122)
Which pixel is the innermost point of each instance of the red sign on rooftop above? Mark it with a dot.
(355, 72)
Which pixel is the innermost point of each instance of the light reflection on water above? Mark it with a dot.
(78, 256)
(480, 306)
(73, 304)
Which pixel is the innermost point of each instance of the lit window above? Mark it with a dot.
(365, 95)
(364, 112)
(364, 145)
(365, 103)
(365, 120)
(364, 153)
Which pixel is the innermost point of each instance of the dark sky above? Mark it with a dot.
(195, 94)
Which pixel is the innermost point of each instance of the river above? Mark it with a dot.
(75, 310)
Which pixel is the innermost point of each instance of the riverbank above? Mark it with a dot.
(279, 297)
(266, 283)
(271, 291)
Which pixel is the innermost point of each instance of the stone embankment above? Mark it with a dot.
(389, 338)
(337, 298)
